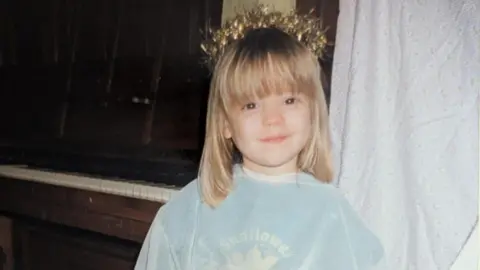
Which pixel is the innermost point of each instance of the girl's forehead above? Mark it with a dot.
(246, 96)
(280, 94)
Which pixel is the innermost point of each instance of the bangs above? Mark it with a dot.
(252, 76)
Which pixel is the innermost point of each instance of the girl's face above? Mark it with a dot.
(271, 132)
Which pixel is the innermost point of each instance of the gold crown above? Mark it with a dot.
(306, 28)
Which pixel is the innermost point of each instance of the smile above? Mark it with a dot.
(274, 139)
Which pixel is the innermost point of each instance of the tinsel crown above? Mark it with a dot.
(306, 28)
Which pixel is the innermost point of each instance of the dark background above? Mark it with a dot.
(113, 88)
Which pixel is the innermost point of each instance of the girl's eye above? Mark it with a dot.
(289, 101)
(249, 106)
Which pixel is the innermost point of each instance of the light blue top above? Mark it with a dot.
(294, 223)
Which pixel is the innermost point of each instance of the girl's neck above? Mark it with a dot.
(287, 168)
(276, 178)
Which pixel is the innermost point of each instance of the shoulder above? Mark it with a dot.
(344, 228)
(349, 231)
(329, 196)
(180, 209)
(171, 230)
(187, 194)
(324, 193)
(330, 200)
(183, 199)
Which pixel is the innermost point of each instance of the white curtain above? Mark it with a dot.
(404, 115)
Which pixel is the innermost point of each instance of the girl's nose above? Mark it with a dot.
(272, 115)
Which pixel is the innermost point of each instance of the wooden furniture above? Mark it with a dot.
(6, 244)
(46, 225)
(101, 72)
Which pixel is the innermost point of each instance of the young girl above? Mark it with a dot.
(274, 208)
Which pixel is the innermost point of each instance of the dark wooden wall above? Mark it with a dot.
(118, 72)
(328, 11)
(105, 71)
(109, 75)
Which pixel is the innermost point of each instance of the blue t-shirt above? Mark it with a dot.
(261, 225)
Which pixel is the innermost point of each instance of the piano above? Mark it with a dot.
(91, 211)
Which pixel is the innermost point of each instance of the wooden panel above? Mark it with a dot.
(63, 228)
(6, 244)
(326, 9)
(122, 217)
(32, 114)
(98, 61)
(95, 25)
(179, 114)
(178, 118)
(41, 246)
(101, 88)
(101, 113)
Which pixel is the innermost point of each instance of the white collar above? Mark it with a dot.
(283, 178)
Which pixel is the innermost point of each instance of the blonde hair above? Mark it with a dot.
(265, 61)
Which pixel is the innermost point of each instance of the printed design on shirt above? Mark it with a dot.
(252, 249)
(253, 259)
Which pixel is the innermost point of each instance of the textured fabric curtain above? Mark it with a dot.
(404, 114)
